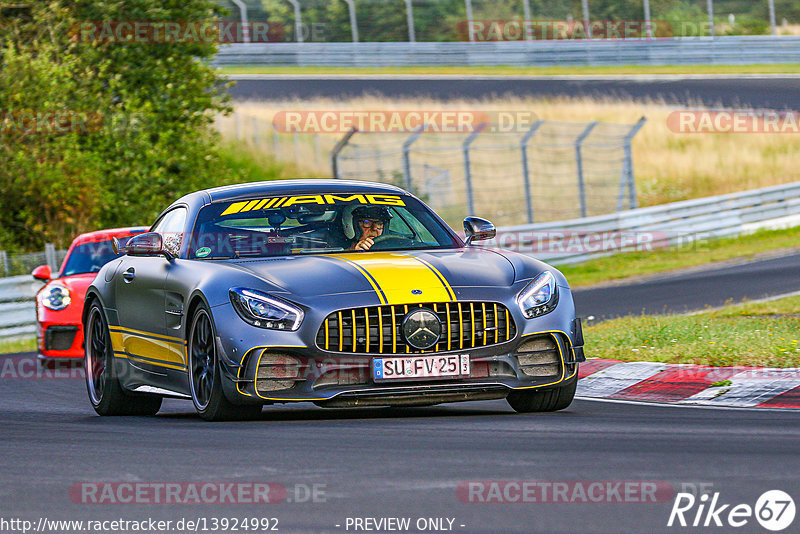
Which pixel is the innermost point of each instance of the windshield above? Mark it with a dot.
(316, 224)
(90, 257)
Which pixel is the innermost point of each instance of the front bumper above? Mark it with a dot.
(266, 366)
(290, 374)
(60, 341)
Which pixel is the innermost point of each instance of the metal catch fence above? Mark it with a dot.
(550, 170)
(554, 171)
(23, 264)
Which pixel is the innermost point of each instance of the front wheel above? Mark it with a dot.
(205, 380)
(105, 392)
(548, 400)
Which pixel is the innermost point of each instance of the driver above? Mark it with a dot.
(369, 222)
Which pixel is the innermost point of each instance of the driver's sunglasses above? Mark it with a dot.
(371, 223)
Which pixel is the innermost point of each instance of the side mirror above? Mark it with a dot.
(42, 273)
(478, 229)
(149, 244)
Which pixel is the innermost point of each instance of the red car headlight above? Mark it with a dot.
(56, 297)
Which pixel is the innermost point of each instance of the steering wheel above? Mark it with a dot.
(391, 238)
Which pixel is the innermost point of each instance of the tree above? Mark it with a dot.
(139, 114)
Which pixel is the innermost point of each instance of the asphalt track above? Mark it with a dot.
(761, 92)
(408, 462)
(389, 462)
(692, 291)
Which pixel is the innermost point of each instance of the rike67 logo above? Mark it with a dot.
(774, 510)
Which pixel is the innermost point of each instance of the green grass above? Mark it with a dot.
(763, 334)
(19, 345)
(789, 68)
(632, 264)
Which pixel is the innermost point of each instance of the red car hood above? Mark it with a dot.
(76, 283)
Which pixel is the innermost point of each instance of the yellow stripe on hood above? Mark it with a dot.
(395, 275)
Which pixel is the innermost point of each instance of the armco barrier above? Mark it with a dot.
(17, 308)
(726, 50)
(678, 223)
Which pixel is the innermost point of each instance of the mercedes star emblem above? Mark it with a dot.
(421, 328)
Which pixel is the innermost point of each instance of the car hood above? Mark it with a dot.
(397, 277)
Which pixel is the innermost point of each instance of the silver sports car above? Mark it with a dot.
(340, 293)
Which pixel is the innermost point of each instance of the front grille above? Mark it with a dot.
(59, 337)
(378, 329)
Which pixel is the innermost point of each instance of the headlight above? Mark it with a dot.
(539, 297)
(56, 297)
(265, 311)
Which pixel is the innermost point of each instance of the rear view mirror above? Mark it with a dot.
(42, 273)
(477, 229)
(149, 244)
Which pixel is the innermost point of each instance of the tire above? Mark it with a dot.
(548, 400)
(105, 392)
(205, 380)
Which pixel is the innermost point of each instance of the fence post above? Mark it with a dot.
(338, 148)
(467, 170)
(579, 164)
(523, 146)
(627, 169)
(710, 4)
(526, 9)
(351, 7)
(772, 16)
(4, 260)
(243, 16)
(298, 21)
(407, 156)
(470, 22)
(412, 34)
(50, 256)
(586, 21)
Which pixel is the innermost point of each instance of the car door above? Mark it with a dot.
(140, 299)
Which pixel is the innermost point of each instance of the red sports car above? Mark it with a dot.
(59, 303)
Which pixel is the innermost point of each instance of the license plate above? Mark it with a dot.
(415, 367)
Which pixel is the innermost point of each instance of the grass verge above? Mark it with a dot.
(788, 68)
(699, 253)
(18, 345)
(763, 334)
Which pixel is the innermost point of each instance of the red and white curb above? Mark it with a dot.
(690, 384)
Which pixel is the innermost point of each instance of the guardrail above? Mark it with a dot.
(669, 224)
(727, 50)
(678, 224)
(17, 307)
